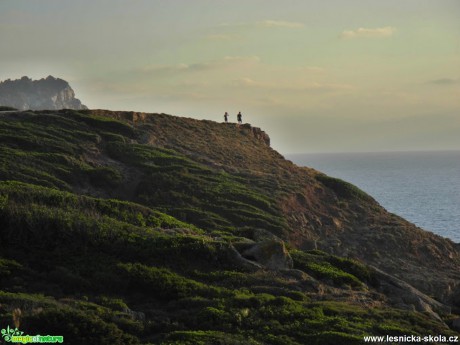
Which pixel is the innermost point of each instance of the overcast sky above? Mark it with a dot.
(317, 76)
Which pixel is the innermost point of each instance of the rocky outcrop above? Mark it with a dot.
(131, 116)
(403, 295)
(455, 324)
(261, 135)
(318, 212)
(265, 250)
(134, 315)
(257, 133)
(272, 254)
(27, 94)
(239, 261)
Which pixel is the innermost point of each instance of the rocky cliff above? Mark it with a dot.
(159, 229)
(317, 211)
(50, 93)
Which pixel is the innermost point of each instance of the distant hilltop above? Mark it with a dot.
(27, 94)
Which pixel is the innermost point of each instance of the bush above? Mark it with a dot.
(334, 338)
(77, 328)
(8, 267)
(343, 189)
(207, 338)
(328, 267)
(160, 283)
(105, 177)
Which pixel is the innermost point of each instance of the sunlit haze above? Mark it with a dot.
(317, 76)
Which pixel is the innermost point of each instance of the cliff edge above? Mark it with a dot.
(315, 211)
(151, 228)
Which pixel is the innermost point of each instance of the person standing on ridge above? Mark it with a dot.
(239, 117)
(226, 117)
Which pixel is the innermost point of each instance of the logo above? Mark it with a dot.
(14, 335)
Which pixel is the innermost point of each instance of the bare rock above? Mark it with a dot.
(135, 315)
(257, 133)
(270, 253)
(456, 324)
(44, 94)
(405, 296)
(238, 260)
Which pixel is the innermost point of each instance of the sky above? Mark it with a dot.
(317, 76)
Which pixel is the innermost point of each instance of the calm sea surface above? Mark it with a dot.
(422, 187)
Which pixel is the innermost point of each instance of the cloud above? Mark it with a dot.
(222, 37)
(248, 82)
(279, 24)
(268, 23)
(291, 86)
(315, 69)
(224, 63)
(250, 59)
(445, 81)
(368, 33)
(163, 68)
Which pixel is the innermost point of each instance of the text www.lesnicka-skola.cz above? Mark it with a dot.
(411, 339)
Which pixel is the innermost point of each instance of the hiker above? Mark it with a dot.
(226, 117)
(239, 118)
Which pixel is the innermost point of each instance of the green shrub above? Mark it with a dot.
(105, 177)
(338, 271)
(77, 327)
(207, 338)
(334, 338)
(355, 268)
(342, 189)
(160, 283)
(3, 201)
(8, 266)
(104, 123)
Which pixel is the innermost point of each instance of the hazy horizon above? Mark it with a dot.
(367, 152)
(318, 77)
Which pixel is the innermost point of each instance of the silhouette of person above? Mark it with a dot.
(226, 117)
(239, 117)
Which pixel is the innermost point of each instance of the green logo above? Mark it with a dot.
(14, 335)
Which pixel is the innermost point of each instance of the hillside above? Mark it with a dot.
(134, 228)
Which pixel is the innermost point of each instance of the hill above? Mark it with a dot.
(134, 228)
(46, 93)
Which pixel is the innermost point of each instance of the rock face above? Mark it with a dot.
(257, 133)
(271, 254)
(27, 94)
(404, 296)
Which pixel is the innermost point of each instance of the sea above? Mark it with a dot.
(422, 187)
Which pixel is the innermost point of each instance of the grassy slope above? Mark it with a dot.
(110, 235)
(5, 108)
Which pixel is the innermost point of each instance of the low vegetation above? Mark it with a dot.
(342, 188)
(5, 108)
(106, 239)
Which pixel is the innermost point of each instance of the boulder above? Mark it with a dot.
(270, 253)
(456, 324)
(235, 257)
(403, 295)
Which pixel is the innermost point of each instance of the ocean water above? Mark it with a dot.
(422, 187)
